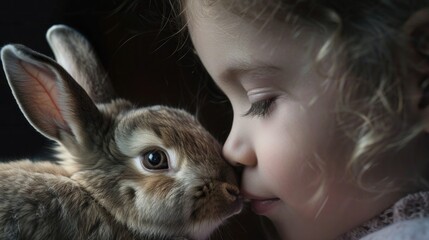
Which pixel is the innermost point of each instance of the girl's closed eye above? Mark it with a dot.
(262, 100)
(261, 108)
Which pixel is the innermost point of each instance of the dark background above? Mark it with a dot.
(146, 60)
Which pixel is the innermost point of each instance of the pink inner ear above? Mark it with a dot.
(42, 94)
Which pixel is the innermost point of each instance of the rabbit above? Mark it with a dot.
(124, 172)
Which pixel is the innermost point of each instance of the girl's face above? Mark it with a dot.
(284, 130)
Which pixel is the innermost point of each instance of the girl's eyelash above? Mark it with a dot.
(260, 108)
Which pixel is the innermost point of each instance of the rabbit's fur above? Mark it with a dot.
(101, 188)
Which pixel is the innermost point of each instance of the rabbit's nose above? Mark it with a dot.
(231, 192)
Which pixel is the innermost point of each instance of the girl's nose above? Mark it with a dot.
(238, 148)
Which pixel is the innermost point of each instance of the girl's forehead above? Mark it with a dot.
(229, 44)
(225, 22)
(214, 9)
(241, 7)
(195, 11)
(224, 16)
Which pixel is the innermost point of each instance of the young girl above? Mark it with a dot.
(331, 110)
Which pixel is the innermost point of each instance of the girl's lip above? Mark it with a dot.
(259, 205)
(263, 206)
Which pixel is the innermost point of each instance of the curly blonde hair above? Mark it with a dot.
(365, 45)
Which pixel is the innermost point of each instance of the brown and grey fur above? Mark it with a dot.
(98, 190)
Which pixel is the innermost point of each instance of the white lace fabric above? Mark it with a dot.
(412, 206)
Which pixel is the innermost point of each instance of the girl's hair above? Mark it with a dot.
(366, 46)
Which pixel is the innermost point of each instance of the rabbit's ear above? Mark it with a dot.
(75, 54)
(49, 98)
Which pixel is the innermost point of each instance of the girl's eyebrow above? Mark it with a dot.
(243, 70)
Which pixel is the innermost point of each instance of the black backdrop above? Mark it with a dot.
(144, 57)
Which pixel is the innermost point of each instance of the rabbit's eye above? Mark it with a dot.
(155, 159)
